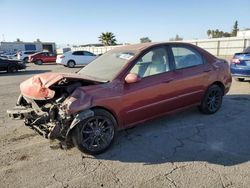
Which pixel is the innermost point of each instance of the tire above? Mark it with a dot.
(12, 69)
(71, 64)
(25, 59)
(96, 134)
(239, 79)
(39, 62)
(212, 100)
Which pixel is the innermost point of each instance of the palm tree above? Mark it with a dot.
(107, 39)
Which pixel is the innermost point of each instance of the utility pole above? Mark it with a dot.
(3, 39)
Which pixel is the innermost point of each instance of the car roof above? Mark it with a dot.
(142, 46)
(28, 51)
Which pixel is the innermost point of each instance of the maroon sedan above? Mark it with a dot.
(121, 88)
(42, 57)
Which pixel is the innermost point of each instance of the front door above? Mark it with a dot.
(155, 93)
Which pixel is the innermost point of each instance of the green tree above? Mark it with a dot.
(145, 39)
(107, 39)
(226, 34)
(235, 29)
(209, 33)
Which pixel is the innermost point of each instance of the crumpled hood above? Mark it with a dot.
(37, 87)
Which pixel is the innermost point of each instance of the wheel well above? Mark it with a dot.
(220, 85)
(71, 60)
(110, 111)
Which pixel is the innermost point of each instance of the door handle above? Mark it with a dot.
(208, 70)
(168, 80)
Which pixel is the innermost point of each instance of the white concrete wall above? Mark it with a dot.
(223, 47)
(96, 50)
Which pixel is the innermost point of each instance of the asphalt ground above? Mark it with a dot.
(187, 149)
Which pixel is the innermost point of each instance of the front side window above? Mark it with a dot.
(154, 62)
(88, 53)
(186, 57)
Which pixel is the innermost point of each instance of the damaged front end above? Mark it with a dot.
(46, 101)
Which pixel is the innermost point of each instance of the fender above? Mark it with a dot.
(78, 118)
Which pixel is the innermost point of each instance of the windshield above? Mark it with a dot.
(107, 66)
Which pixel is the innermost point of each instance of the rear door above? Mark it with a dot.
(194, 74)
(78, 57)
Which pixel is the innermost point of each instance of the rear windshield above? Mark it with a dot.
(247, 50)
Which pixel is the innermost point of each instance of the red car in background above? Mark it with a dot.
(42, 57)
(120, 89)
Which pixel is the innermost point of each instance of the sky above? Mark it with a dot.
(82, 22)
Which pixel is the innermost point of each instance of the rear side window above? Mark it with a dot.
(186, 57)
(88, 53)
(78, 53)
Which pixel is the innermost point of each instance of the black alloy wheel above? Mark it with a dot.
(95, 134)
(212, 100)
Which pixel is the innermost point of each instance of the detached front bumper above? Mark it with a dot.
(20, 112)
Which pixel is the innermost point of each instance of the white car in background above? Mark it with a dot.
(24, 55)
(73, 58)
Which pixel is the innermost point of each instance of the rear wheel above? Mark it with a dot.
(94, 135)
(240, 79)
(212, 100)
(12, 68)
(71, 64)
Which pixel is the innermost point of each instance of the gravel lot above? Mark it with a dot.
(183, 150)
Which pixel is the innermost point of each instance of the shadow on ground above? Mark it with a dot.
(222, 138)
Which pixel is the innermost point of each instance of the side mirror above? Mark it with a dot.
(132, 78)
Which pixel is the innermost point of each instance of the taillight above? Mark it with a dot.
(235, 61)
(62, 56)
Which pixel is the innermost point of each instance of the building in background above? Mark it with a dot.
(13, 47)
(244, 33)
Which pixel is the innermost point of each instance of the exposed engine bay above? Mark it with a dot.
(49, 116)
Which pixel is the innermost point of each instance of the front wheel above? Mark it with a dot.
(94, 135)
(212, 100)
